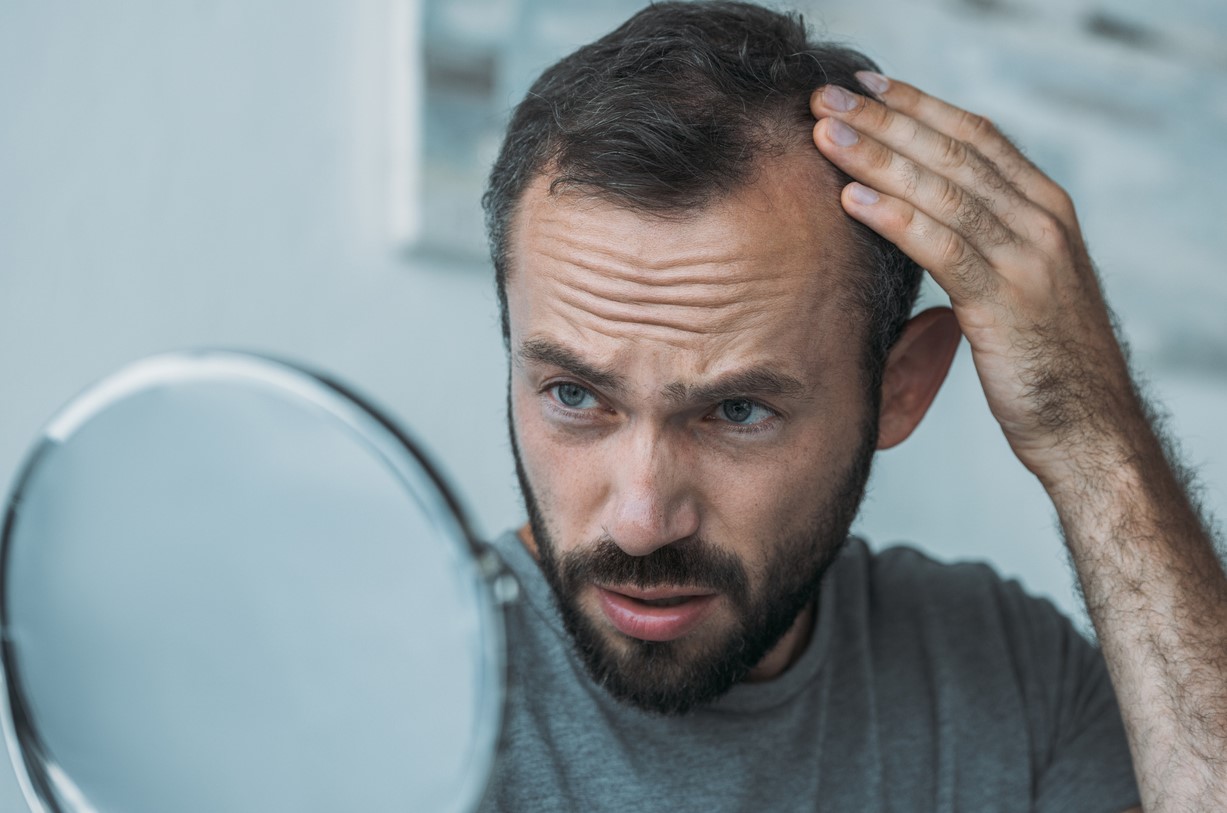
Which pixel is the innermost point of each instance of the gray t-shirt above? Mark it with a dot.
(924, 687)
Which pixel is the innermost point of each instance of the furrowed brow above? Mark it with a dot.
(741, 383)
(544, 351)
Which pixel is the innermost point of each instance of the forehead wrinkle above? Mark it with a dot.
(713, 269)
(657, 247)
(737, 263)
(633, 261)
(708, 307)
(681, 339)
(692, 319)
(617, 253)
(703, 296)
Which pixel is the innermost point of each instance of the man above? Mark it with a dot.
(707, 234)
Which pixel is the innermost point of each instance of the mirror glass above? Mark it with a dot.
(228, 585)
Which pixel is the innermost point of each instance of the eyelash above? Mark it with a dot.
(555, 403)
(557, 406)
(765, 425)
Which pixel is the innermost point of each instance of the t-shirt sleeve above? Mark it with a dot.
(1081, 758)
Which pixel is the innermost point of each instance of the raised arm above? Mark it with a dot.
(1004, 241)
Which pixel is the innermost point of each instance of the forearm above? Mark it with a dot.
(1157, 595)
(1003, 240)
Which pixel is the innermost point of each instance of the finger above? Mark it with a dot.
(954, 263)
(942, 199)
(948, 156)
(976, 130)
(955, 122)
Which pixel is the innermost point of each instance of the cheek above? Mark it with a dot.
(565, 479)
(536, 453)
(753, 504)
(749, 502)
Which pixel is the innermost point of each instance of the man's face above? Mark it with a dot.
(691, 425)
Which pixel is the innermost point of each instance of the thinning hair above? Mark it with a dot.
(675, 110)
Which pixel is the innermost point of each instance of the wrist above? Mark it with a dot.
(1103, 462)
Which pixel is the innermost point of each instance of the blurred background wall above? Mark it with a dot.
(301, 179)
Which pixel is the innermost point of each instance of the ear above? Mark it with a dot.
(915, 369)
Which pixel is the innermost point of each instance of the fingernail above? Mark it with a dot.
(875, 82)
(862, 194)
(841, 134)
(837, 98)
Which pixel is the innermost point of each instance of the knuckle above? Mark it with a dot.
(976, 126)
(912, 225)
(1052, 237)
(977, 222)
(988, 173)
(900, 220)
(950, 198)
(911, 175)
(878, 114)
(953, 251)
(971, 221)
(905, 97)
(966, 270)
(1061, 203)
(880, 158)
(953, 153)
(989, 178)
(1049, 224)
(1002, 234)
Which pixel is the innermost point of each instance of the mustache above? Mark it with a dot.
(690, 562)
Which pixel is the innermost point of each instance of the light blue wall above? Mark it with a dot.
(184, 174)
(177, 174)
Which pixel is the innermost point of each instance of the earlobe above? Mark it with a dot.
(914, 372)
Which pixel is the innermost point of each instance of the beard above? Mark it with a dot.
(674, 677)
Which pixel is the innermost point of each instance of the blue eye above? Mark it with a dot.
(573, 396)
(744, 412)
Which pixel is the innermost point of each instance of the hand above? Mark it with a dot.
(1003, 240)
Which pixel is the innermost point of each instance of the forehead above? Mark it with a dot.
(762, 274)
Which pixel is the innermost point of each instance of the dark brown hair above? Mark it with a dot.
(672, 111)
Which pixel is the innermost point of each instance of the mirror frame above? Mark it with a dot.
(42, 781)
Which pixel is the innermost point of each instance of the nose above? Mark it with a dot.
(652, 501)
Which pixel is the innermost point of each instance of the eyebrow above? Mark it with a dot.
(736, 384)
(543, 351)
(758, 380)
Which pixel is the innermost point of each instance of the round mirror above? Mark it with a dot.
(229, 585)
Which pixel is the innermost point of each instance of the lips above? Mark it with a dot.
(659, 614)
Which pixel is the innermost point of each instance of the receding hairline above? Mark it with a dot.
(817, 172)
(779, 132)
